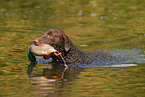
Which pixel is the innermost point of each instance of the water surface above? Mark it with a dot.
(112, 26)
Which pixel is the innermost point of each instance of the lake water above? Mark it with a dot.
(116, 27)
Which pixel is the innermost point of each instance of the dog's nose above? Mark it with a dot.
(35, 41)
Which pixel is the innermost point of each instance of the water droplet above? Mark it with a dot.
(8, 47)
(25, 16)
(101, 17)
(9, 15)
(80, 12)
(6, 14)
(84, 45)
(115, 18)
(26, 11)
(93, 14)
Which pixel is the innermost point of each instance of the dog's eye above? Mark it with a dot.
(49, 34)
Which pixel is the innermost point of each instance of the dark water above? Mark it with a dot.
(112, 26)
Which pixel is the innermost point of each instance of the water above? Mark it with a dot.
(114, 27)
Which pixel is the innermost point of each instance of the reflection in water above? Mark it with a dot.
(52, 81)
(55, 80)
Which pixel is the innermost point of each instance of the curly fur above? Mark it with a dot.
(61, 42)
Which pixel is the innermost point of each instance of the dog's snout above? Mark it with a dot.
(35, 40)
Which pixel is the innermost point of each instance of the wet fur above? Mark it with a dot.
(61, 42)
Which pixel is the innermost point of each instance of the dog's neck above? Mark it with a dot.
(71, 54)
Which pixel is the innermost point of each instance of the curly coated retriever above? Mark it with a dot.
(71, 54)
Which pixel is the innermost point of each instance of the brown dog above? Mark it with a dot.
(71, 54)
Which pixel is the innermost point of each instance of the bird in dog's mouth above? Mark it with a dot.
(42, 50)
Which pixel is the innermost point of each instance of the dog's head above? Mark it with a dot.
(56, 38)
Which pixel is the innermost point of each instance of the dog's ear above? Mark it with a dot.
(67, 43)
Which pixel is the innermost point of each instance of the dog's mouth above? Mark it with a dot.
(38, 44)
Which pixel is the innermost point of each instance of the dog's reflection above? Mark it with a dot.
(51, 79)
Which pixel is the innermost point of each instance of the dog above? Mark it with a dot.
(71, 54)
